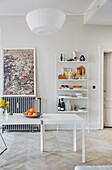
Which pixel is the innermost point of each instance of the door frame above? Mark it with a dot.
(102, 49)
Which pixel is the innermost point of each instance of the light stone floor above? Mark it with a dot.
(24, 150)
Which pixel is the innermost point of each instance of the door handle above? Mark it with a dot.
(104, 91)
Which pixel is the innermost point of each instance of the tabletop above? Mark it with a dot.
(47, 118)
(51, 118)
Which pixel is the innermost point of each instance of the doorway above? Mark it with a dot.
(108, 89)
(105, 86)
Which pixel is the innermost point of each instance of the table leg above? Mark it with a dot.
(74, 139)
(42, 136)
(83, 143)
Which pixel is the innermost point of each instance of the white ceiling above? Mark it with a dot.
(94, 11)
(22, 7)
(103, 15)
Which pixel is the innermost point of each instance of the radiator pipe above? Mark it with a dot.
(39, 98)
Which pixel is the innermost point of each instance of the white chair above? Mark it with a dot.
(101, 167)
(3, 141)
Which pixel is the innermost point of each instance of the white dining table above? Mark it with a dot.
(49, 119)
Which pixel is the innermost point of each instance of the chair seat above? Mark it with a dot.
(101, 167)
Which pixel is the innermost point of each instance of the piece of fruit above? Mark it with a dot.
(32, 110)
(27, 112)
(35, 114)
(10, 113)
(30, 113)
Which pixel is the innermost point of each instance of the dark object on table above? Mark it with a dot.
(82, 58)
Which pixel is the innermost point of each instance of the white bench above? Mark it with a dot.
(101, 167)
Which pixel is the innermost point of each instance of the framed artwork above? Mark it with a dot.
(19, 72)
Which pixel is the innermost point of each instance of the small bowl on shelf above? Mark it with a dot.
(81, 108)
(79, 94)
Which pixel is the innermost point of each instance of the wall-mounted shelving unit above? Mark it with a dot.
(69, 94)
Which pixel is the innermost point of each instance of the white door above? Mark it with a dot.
(108, 89)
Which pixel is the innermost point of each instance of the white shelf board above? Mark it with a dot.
(86, 111)
(73, 98)
(72, 90)
(72, 62)
(72, 79)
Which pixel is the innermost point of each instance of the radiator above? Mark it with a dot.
(20, 105)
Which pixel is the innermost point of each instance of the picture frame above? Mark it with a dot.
(19, 75)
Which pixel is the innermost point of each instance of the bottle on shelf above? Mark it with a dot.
(61, 58)
(62, 105)
(59, 106)
(64, 58)
(68, 106)
(74, 56)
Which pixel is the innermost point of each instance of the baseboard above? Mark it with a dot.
(108, 124)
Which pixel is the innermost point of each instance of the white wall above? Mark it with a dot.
(73, 36)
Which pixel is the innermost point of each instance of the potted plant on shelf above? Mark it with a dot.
(4, 105)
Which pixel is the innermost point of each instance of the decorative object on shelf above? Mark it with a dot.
(73, 75)
(19, 72)
(82, 58)
(71, 87)
(41, 21)
(68, 106)
(75, 107)
(60, 76)
(82, 67)
(74, 56)
(68, 75)
(67, 70)
(79, 72)
(61, 58)
(4, 105)
(82, 71)
(64, 86)
(79, 94)
(70, 59)
(77, 87)
(81, 108)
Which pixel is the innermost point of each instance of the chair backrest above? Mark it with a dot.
(101, 167)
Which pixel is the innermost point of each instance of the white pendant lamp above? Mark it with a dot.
(45, 20)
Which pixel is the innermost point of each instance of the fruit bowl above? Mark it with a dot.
(33, 116)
